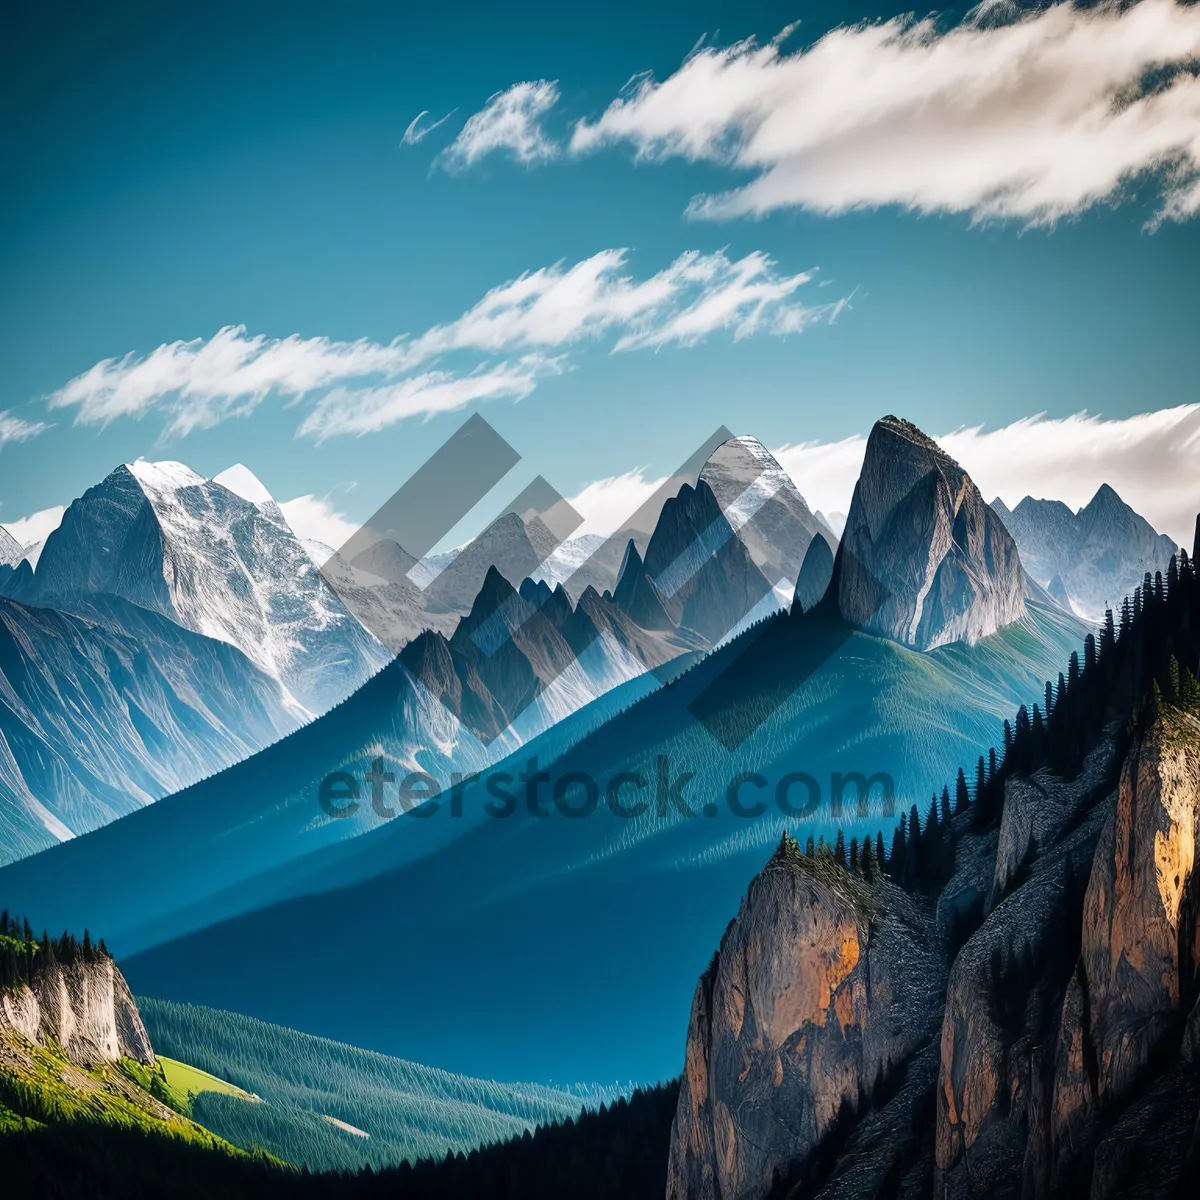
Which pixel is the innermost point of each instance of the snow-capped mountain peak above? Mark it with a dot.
(196, 551)
(164, 477)
(241, 481)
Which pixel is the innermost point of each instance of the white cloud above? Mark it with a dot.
(315, 519)
(1034, 119)
(14, 429)
(511, 121)
(417, 133)
(1152, 460)
(501, 346)
(606, 504)
(230, 374)
(698, 294)
(36, 528)
(368, 410)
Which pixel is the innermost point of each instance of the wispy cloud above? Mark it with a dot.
(516, 335)
(418, 132)
(1033, 118)
(14, 429)
(1152, 460)
(204, 382)
(510, 122)
(368, 410)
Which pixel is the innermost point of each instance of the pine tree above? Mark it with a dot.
(854, 854)
(1173, 686)
(980, 782)
(945, 817)
(809, 848)
(962, 798)
(839, 849)
(868, 861)
(880, 857)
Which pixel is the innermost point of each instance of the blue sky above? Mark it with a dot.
(179, 170)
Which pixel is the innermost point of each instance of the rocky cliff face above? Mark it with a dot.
(1067, 1054)
(822, 985)
(1131, 993)
(83, 1006)
(923, 559)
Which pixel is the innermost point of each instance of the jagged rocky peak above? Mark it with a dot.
(815, 574)
(636, 595)
(821, 984)
(82, 1005)
(11, 551)
(923, 559)
(701, 569)
(764, 506)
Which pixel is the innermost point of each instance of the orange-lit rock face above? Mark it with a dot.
(1129, 970)
(792, 1035)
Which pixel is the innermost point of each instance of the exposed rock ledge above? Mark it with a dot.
(85, 1007)
(822, 982)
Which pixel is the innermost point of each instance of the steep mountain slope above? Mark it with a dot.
(162, 537)
(570, 908)
(923, 559)
(816, 572)
(264, 829)
(822, 983)
(1098, 555)
(103, 712)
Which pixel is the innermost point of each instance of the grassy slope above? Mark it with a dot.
(41, 1086)
(191, 1081)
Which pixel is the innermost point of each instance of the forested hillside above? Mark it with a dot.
(398, 1111)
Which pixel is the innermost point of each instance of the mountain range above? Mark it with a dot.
(561, 783)
(1091, 559)
(813, 691)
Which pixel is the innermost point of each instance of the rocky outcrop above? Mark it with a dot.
(84, 1007)
(1133, 988)
(923, 559)
(815, 574)
(822, 986)
(1068, 1057)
